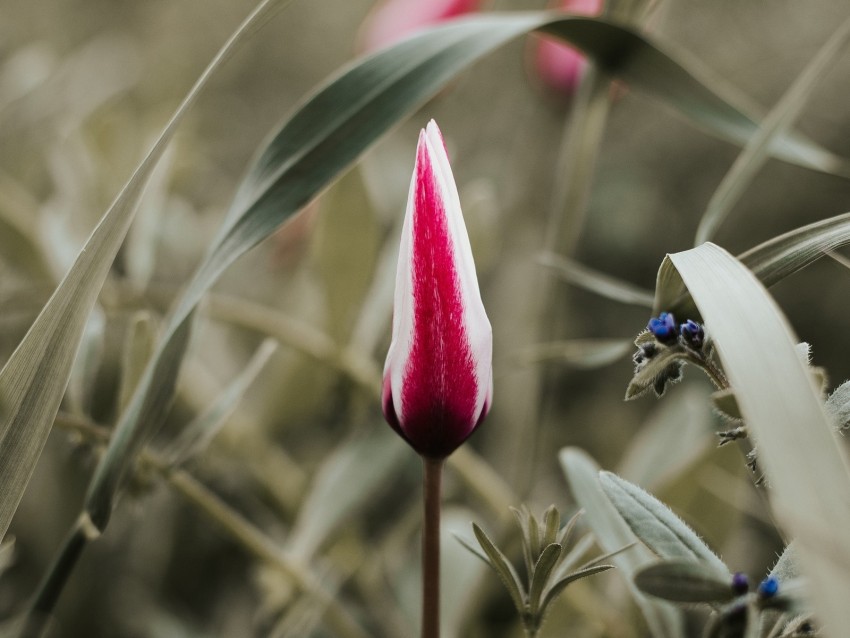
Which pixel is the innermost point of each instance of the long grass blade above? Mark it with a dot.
(598, 282)
(780, 119)
(771, 261)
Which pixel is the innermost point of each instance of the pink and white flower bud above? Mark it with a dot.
(559, 65)
(392, 20)
(438, 377)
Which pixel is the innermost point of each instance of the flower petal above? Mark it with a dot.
(438, 375)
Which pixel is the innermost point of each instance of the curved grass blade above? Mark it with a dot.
(770, 261)
(343, 118)
(612, 534)
(798, 449)
(203, 428)
(780, 119)
(597, 282)
(584, 354)
(344, 483)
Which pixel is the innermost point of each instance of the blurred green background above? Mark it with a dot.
(85, 87)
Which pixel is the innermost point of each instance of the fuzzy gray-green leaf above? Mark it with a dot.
(551, 524)
(785, 567)
(658, 527)
(684, 581)
(558, 586)
(655, 373)
(838, 405)
(613, 534)
(542, 571)
(500, 563)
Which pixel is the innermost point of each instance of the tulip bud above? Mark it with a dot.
(559, 65)
(438, 382)
(391, 20)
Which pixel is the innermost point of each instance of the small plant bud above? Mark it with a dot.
(769, 587)
(692, 334)
(664, 327)
(740, 583)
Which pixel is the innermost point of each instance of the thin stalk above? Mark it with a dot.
(263, 548)
(50, 588)
(433, 470)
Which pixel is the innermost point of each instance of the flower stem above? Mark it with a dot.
(433, 470)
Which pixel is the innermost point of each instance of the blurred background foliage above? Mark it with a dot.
(86, 85)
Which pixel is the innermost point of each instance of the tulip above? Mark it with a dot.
(438, 384)
(560, 66)
(391, 20)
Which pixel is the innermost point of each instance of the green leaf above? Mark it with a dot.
(780, 119)
(567, 530)
(684, 581)
(542, 570)
(499, 562)
(658, 527)
(138, 345)
(202, 429)
(558, 586)
(468, 544)
(786, 565)
(612, 533)
(598, 282)
(801, 457)
(551, 525)
(345, 482)
(345, 116)
(523, 517)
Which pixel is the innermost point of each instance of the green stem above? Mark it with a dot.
(51, 586)
(433, 469)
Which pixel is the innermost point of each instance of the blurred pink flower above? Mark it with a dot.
(438, 377)
(558, 65)
(391, 20)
